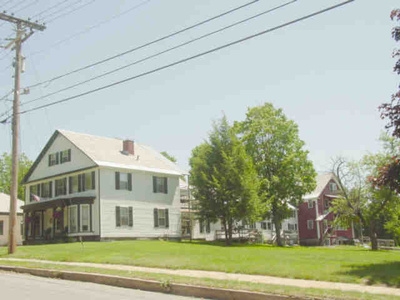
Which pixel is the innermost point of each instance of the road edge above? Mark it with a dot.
(150, 285)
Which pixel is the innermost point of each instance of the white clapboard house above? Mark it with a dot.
(93, 188)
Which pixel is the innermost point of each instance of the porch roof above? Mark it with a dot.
(57, 202)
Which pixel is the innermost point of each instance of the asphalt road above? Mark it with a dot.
(20, 286)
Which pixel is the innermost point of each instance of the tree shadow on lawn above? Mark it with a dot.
(387, 273)
(233, 245)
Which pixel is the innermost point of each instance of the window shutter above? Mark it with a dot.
(154, 184)
(117, 180)
(93, 180)
(165, 185)
(57, 158)
(83, 180)
(49, 160)
(61, 157)
(201, 223)
(208, 227)
(51, 189)
(38, 190)
(155, 217)
(69, 154)
(166, 218)
(65, 185)
(129, 182)
(80, 183)
(118, 216)
(130, 217)
(70, 185)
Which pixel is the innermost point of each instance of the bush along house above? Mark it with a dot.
(94, 188)
(316, 221)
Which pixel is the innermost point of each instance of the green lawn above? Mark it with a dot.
(342, 264)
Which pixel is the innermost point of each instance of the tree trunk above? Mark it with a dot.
(373, 236)
(277, 224)
(227, 241)
(230, 223)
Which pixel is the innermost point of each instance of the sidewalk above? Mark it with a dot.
(230, 276)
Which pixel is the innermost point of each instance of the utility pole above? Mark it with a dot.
(21, 36)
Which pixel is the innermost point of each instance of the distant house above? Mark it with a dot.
(94, 188)
(206, 230)
(4, 219)
(316, 221)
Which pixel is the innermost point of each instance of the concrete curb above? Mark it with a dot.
(150, 285)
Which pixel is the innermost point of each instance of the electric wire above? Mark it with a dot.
(70, 12)
(61, 9)
(142, 46)
(188, 58)
(49, 8)
(26, 6)
(91, 28)
(161, 52)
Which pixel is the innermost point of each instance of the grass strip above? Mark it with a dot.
(164, 279)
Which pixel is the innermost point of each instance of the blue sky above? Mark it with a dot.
(328, 74)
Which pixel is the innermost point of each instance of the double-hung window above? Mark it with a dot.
(65, 156)
(61, 186)
(124, 216)
(46, 189)
(310, 203)
(160, 184)
(85, 217)
(53, 159)
(264, 225)
(73, 218)
(161, 218)
(310, 224)
(1, 227)
(123, 181)
(82, 182)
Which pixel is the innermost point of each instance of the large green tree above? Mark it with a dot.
(282, 164)
(5, 173)
(388, 175)
(360, 200)
(224, 179)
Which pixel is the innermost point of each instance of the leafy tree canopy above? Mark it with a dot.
(282, 164)
(168, 156)
(5, 173)
(224, 179)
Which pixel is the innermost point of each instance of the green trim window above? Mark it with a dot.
(60, 157)
(123, 181)
(160, 184)
(124, 216)
(1, 227)
(161, 218)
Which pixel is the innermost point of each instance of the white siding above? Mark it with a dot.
(4, 236)
(143, 201)
(78, 160)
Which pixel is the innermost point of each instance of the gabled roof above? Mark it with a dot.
(107, 152)
(322, 181)
(5, 204)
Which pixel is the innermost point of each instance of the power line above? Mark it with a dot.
(160, 53)
(188, 58)
(49, 8)
(26, 6)
(143, 45)
(92, 27)
(70, 12)
(61, 9)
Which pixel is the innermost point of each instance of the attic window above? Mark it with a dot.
(59, 157)
(332, 187)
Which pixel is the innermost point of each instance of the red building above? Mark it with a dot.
(314, 218)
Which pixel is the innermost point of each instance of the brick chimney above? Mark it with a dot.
(128, 147)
